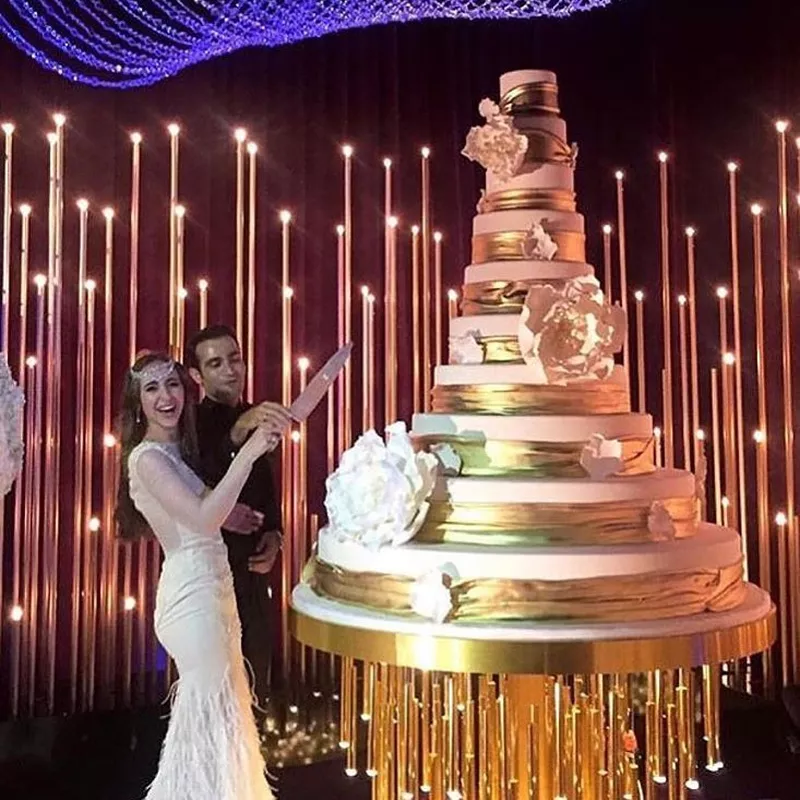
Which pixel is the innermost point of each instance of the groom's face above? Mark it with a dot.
(221, 370)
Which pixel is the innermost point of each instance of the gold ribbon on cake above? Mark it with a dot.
(631, 598)
(500, 350)
(539, 199)
(498, 297)
(509, 399)
(531, 97)
(507, 246)
(529, 524)
(545, 147)
(480, 456)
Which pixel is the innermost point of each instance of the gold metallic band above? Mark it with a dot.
(507, 246)
(528, 97)
(509, 399)
(480, 456)
(511, 199)
(531, 524)
(570, 657)
(500, 350)
(630, 598)
(498, 297)
(545, 147)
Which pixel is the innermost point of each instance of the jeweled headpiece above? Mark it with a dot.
(156, 370)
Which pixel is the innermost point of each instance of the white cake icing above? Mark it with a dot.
(521, 77)
(544, 176)
(481, 374)
(523, 270)
(536, 428)
(713, 547)
(522, 219)
(660, 485)
(485, 325)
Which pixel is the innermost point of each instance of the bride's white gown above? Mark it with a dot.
(211, 750)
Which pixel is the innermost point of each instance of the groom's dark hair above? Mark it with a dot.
(206, 335)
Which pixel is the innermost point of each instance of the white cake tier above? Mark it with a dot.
(518, 271)
(536, 428)
(483, 325)
(523, 219)
(663, 484)
(544, 176)
(755, 606)
(522, 77)
(482, 374)
(712, 548)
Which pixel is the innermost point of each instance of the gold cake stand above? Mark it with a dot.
(457, 718)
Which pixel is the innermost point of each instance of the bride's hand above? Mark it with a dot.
(265, 438)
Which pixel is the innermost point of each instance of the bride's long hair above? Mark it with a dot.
(132, 426)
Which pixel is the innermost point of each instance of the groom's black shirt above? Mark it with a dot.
(214, 424)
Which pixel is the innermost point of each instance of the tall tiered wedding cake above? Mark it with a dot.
(528, 498)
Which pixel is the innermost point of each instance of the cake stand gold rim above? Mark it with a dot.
(611, 656)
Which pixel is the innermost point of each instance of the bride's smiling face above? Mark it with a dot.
(162, 397)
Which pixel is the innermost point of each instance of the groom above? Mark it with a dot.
(224, 421)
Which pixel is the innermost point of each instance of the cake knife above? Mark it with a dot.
(308, 400)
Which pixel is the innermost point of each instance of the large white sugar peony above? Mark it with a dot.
(378, 495)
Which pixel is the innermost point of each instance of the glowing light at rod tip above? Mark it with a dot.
(108, 212)
(692, 784)
(722, 292)
(340, 230)
(52, 138)
(180, 211)
(303, 363)
(25, 209)
(365, 291)
(295, 436)
(415, 230)
(638, 295)
(781, 126)
(607, 229)
(371, 298)
(8, 128)
(109, 440)
(690, 231)
(700, 435)
(15, 615)
(288, 293)
(347, 150)
(732, 166)
(619, 174)
(682, 299)
(657, 432)
(426, 152)
(756, 209)
(252, 148)
(663, 158)
(240, 134)
(780, 519)
(725, 502)
(173, 129)
(285, 216)
(90, 285)
(83, 204)
(31, 362)
(136, 137)
(437, 236)
(759, 436)
(660, 779)
(182, 293)
(129, 603)
(728, 359)
(40, 281)
(387, 163)
(392, 222)
(94, 524)
(202, 285)
(452, 294)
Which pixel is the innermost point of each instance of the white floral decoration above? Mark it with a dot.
(660, 523)
(449, 459)
(573, 155)
(538, 244)
(601, 457)
(466, 349)
(12, 402)
(379, 494)
(497, 145)
(570, 334)
(481, 205)
(431, 595)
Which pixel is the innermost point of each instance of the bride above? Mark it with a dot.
(211, 750)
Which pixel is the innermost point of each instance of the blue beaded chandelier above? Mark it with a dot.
(128, 43)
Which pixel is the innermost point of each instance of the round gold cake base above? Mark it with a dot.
(609, 656)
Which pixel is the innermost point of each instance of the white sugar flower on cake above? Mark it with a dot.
(379, 494)
(538, 244)
(497, 145)
(570, 334)
(431, 597)
(449, 459)
(12, 402)
(601, 457)
(660, 523)
(466, 349)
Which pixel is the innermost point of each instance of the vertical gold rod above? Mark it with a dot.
(641, 387)
(252, 219)
(623, 264)
(240, 135)
(613, 741)
(669, 453)
(784, 577)
(715, 446)
(426, 279)
(286, 449)
(425, 732)
(711, 716)
(788, 407)
(728, 418)
(558, 738)
(133, 298)
(348, 292)
(340, 329)
(438, 297)
(686, 412)
(390, 322)
(415, 322)
(174, 155)
(692, 291)
(607, 287)
(5, 300)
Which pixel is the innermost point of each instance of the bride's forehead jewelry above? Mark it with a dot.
(153, 372)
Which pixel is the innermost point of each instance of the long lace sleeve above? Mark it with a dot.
(159, 476)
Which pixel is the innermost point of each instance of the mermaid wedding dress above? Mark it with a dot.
(211, 750)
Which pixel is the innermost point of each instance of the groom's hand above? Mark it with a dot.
(266, 414)
(243, 520)
(263, 560)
